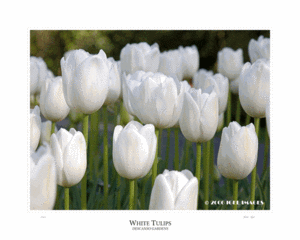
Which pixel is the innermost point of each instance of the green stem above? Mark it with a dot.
(228, 120)
(267, 143)
(67, 198)
(211, 168)
(119, 192)
(93, 139)
(52, 128)
(248, 118)
(176, 158)
(235, 193)
(154, 166)
(105, 157)
(168, 148)
(198, 164)
(131, 194)
(85, 130)
(253, 175)
(135, 194)
(159, 142)
(206, 174)
(187, 153)
(238, 111)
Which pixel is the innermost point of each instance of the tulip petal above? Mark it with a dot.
(187, 198)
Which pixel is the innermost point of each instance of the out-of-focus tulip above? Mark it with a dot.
(46, 132)
(114, 82)
(42, 179)
(200, 113)
(259, 49)
(134, 148)
(171, 64)
(268, 117)
(38, 74)
(69, 150)
(174, 190)
(238, 151)
(254, 88)
(230, 62)
(139, 56)
(221, 86)
(200, 75)
(220, 122)
(52, 101)
(35, 127)
(191, 58)
(154, 98)
(85, 80)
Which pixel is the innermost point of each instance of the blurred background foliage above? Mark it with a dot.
(52, 44)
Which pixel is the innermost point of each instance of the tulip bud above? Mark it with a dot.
(171, 64)
(85, 80)
(259, 49)
(134, 149)
(46, 131)
(141, 56)
(42, 179)
(154, 98)
(190, 60)
(35, 127)
(173, 190)
(238, 151)
(254, 88)
(114, 82)
(199, 117)
(220, 83)
(52, 101)
(69, 150)
(230, 62)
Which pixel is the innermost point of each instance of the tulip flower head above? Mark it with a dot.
(200, 113)
(154, 98)
(52, 101)
(230, 62)
(171, 64)
(190, 60)
(220, 83)
(46, 132)
(134, 148)
(254, 88)
(238, 151)
(139, 56)
(200, 76)
(173, 190)
(69, 150)
(35, 127)
(42, 179)
(259, 49)
(114, 83)
(85, 80)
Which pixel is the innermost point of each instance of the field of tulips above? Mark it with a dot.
(152, 130)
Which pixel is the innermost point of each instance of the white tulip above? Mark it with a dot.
(230, 62)
(254, 88)
(221, 86)
(238, 151)
(69, 150)
(259, 49)
(114, 83)
(46, 131)
(171, 64)
(200, 113)
(153, 98)
(174, 190)
(42, 179)
(52, 101)
(199, 77)
(35, 127)
(141, 56)
(191, 58)
(134, 149)
(85, 80)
